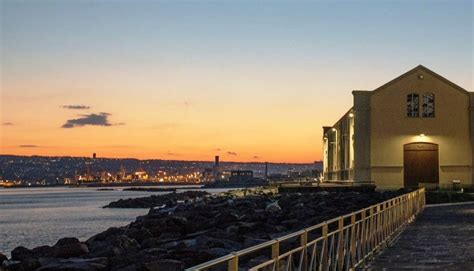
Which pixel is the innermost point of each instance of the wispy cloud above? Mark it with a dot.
(256, 157)
(100, 119)
(218, 149)
(28, 146)
(76, 106)
(172, 153)
(232, 153)
(7, 124)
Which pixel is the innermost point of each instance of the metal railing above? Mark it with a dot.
(342, 243)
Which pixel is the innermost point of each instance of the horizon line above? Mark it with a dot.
(159, 159)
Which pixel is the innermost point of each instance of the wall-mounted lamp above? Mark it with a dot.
(333, 129)
(351, 115)
(422, 135)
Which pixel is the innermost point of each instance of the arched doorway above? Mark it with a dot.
(420, 164)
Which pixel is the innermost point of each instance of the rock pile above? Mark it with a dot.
(180, 235)
(157, 200)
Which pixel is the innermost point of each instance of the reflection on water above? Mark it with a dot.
(40, 216)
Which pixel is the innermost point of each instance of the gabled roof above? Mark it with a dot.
(425, 69)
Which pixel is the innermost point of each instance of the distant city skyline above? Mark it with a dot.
(249, 81)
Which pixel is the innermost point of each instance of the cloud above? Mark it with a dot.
(218, 149)
(171, 153)
(7, 124)
(232, 153)
(100, 119)
(76, 106)
(256, 157)
(28, 146)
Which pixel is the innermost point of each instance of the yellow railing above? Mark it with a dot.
(342, 243)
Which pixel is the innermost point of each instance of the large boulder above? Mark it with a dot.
(44, 252)
(75, 264)
(21, 253)
(2, 258)
(164, 265)
(25, 265)
(70, 247)
(112, 246)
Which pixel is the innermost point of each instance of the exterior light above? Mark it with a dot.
(351, 115)
(422, 135)
(333, 129)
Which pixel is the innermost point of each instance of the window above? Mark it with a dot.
(428, 105)
(412, 105)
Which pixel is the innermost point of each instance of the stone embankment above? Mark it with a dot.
(185, 229)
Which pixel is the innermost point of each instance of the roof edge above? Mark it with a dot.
(436, 75)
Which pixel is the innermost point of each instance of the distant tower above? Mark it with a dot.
(266, 169)
(94, 156)
(216, 170)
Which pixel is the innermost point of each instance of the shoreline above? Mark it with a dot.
(102, 185)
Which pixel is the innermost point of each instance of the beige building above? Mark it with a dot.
(416, 130)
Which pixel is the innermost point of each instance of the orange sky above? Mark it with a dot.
(187, 82)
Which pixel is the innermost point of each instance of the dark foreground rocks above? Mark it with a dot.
(157, 200)
(177, 235)
(151, 189)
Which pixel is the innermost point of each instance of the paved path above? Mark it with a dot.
(441, 238)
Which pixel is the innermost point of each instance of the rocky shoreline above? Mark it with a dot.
(155, 201)
(185, 229)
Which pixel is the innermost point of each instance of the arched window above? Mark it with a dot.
(412, 105)
(428, 105)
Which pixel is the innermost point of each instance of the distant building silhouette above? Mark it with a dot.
(240, 175)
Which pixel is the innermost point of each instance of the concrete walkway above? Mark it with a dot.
(441, 238)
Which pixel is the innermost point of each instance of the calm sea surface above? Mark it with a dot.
(40, 216)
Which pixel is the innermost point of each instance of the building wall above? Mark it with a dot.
(338, 149)
(391, 129)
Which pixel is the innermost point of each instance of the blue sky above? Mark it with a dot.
(213, 63)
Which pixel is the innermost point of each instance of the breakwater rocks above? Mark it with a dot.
(170, 199)
(177, 235)
(151, 189)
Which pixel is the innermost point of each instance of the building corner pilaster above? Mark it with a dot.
(362, 159)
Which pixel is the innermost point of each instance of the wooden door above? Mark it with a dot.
(420, 164)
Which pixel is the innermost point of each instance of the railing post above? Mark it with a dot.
(371, 229)
(233, 264)
(340, 244)
(303, 243)
(363, 233)
(378, 223)
(276, 254)
(325, 252)
(384, 221)
(353, 241)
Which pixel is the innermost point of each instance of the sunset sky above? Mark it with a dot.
(248, 80)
